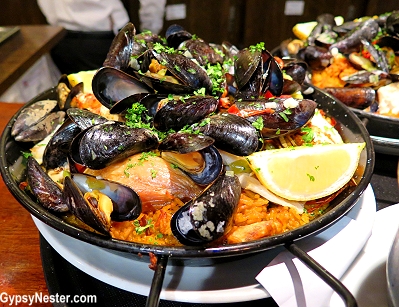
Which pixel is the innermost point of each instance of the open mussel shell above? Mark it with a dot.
(175, 34)
(121, 48)
(202, 52)
(207, 217)
(103, 144)
(86, 211)
(47, 192)
(194, 155)
(126, 202)
(111, 85)
(272, 74)
(37, 121)
(246, 64)
(56, 152)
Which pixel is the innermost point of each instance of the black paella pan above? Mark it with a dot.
(348, 124)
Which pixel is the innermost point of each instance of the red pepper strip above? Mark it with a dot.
(320, 202)
(80, 168)
(366, 54)
(247, 113)
(279, 61)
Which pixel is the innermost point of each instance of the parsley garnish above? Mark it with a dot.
(258, 124)
(140, 229)
(258, 47)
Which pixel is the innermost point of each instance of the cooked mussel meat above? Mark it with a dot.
(94, 209)
(194, 155)
(207, 217)
(125, 201)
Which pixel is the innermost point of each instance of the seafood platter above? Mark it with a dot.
(357, 62)
(182, 151)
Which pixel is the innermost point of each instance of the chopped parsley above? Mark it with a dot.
(308, 134)
(140, 229)
(258, 124)
(258, 47)
(311, 178)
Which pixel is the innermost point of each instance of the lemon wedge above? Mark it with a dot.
(83, 76)
(306, 173)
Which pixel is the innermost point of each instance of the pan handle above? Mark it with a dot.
(157, 281)
(326, 276)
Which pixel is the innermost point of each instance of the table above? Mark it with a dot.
(23, 49)
(20, 257)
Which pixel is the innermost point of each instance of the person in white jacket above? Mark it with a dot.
(91, 26)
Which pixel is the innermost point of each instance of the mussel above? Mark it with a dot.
(207, 217)
(232, 133)
(121, 48)
(193, 154)
(97, 201)
(277, 116)
(111, 85)
(184, 110)
(46, 191)
(37, 121)
(103, 144)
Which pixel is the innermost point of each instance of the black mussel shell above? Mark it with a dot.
(47, 192)
(86, 212)
(207, 168)
(185, 142)
(280, 116)
(84, 118)
(185, 70)
(203, 52)
(31, 121)
(246, 64)
(121, 48)
(126, 202)
(231, 133)
(111, 85)
(56, 152)
(106, 143)
(207, 217)
(175, 34)
(177, 113)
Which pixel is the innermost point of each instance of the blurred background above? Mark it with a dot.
(242, 22)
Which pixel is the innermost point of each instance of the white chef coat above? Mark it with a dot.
(85, 15)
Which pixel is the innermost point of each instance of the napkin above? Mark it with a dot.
(292, 284)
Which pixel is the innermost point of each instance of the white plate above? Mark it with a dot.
(228, 282)
(366, 277)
